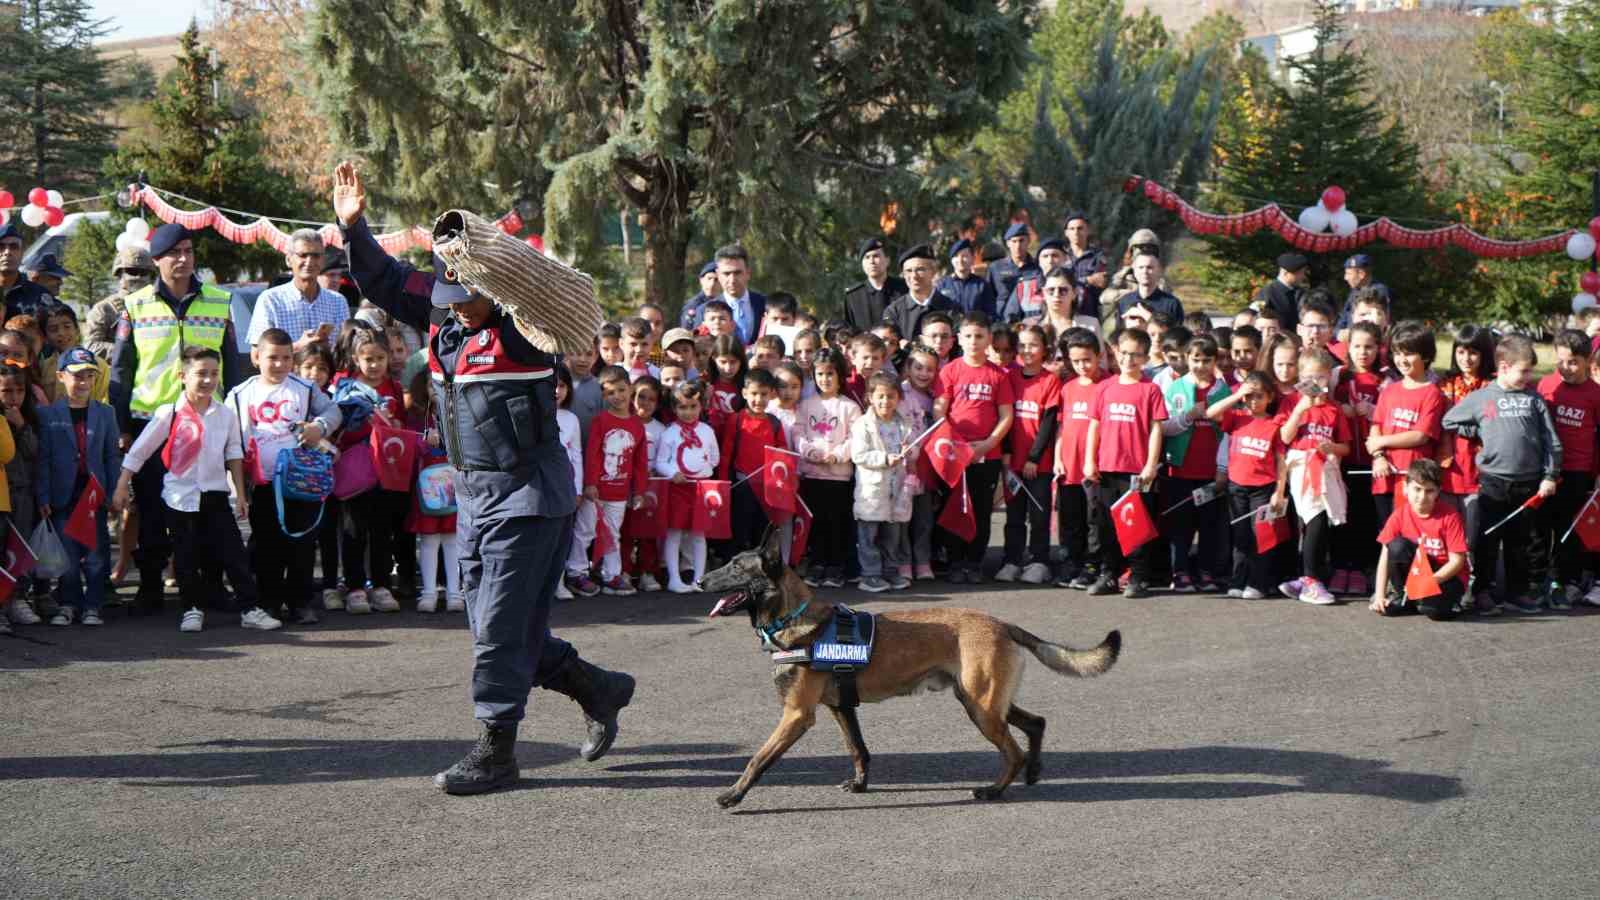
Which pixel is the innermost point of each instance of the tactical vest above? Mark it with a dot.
(495, 394)
(160, 338)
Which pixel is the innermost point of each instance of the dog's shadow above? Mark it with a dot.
(1178, 773)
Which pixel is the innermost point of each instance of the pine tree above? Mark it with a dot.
(1320, 130)
(55, 98)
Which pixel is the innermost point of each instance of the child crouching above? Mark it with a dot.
(1421, 523)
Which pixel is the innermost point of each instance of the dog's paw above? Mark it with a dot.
(729, 799)
(988, 792)
(853, 786)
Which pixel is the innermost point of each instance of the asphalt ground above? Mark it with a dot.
(1238, 749)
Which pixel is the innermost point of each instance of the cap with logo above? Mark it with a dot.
(446, 289)
(78, 359)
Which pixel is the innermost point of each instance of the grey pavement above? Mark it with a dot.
(1239, 749)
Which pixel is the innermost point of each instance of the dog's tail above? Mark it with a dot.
(1066, 660)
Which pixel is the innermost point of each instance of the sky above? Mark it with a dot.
(149, 18)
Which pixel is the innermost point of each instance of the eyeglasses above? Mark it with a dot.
(1315, 326)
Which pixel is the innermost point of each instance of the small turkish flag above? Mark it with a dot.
(19, 559)
(1588, 527)
(802, 531)
(1315, 464)
(713, 514)
(1534, 502)
(184, 441)
(7, 586)
(81, 524)
(1420, 583)
(958, 517)
(778, 481)
(1270, 530)
(604, 540)
(395, 452)
(1134, 526)
(948, 453)
(650, 520)
(510, 223)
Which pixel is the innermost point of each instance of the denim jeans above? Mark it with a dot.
(878, 546)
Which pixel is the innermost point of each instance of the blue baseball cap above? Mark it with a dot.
(446, 289)
(1359, 261)
(77, 359)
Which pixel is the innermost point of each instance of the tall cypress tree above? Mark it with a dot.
(55, 97)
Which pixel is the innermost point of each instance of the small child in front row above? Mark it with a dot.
(1574, 401)
(1029, 448)
(741, 445)
(687, 454)
(640, 554)
(1317, 435)
(1257, 476)
(435, 533)
(314, 363)
(1421, 521)
(77, 439)
(1190, 448)
(881, 451)
(1077, 506)
(570, 428)
(1122, 453)
(207, 454)
(916, 405)
(822, 437)
(616, 471)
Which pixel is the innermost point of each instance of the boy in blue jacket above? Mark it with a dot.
(78, 438)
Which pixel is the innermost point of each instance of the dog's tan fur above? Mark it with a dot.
(914, 650)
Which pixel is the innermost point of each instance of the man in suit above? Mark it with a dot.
(968, 289)
(918, 265)
(1005, 274)
(865, 302)
(733, 279)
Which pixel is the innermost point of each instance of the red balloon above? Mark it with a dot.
(1594, 226)
(1590, 282)
(39, 197)
(6, 200)
(1333, 198)
(53, 216)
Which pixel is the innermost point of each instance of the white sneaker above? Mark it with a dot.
(63, 616)
(678, 587)
(1008, 572)
(648, 583)
(333, 599)
(383, 601)
(455, 603)
(22, 612)
(562, 591)
(193, 620)
(428, 602)
(1316, 594)
(1036, 573)
(356, 603)
(92, 618)
(1592, 598)
(259, 619)
(1251, 593)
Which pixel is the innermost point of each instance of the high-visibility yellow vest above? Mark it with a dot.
(160, 339)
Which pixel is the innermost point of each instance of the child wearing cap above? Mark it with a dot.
(78, 440)
(678, 345)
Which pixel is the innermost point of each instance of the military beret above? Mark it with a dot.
(1053, 244)
(869, 245)
(1359, 261)
(1292, 262)
(920, 251)
(1074, 216)
(708, 268)
(163, 239)
(958, 246)
(1017, 229)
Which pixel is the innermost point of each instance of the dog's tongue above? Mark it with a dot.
(725, 605)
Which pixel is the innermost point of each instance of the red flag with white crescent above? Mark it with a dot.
(801, 536)
(1134, 526)
(395, 452)
(1588, 527)
(604, 540)
(188, 434)
(713, 514)
(1420, 582)
(19, 559)
(650, 519)
(779, 481)
(948, 454)
(1270, 530)
(958, 517)
(80, 525)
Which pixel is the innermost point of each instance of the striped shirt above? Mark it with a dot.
(284, 307)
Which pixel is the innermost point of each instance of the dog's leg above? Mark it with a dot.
(796, 720)
(851, 726)
(991, 721)
(1033, 727)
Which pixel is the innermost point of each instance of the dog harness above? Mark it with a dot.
(842, 646)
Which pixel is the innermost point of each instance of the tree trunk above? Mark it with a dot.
(666, 246)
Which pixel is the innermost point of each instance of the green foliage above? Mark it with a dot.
(54, 97)
(89, 256)
(790, 126)
(1320, 130)
(205, 150)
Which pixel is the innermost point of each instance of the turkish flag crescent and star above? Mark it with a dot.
(958, 518)
(604, 540)
(713, 515)
(19, 559)
(948, 454)
(1588, 527)
(802, 531)
(395, 451)
(80, 525)
(778, 479)
(1134, 525)
(182, 449)
(1270, 530)
(1420, 583)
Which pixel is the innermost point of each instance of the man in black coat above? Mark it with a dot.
(865, 301)
(1282, 294)
(919, 265)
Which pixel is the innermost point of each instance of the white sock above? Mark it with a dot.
(697, 544)
(674, 541)
(428, 560)
(452, 564)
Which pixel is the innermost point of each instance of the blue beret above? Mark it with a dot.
(1017, 229)
(708, 268)
(1074, 216)
(959, 246)
(1053, 244)
(1359, 261)
(446, 289)
(163, 239)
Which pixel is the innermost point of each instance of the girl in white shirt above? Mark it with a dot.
(686, 453)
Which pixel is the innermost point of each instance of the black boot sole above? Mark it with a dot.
(470, 788)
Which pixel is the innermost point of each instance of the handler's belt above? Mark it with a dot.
(843, 646)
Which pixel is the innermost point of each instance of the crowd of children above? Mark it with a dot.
(1172, 457)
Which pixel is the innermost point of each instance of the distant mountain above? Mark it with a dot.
(1258, 16)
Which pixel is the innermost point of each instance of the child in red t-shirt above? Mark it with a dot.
(1257, 476)
(1077, 510)
(975, 395)
(1360, 382)
(1123, 453)
(1574, 402)
(1406, 425)
(1421, 522)
(744, 440)
(1030, 447)
(1318, 436)
(616, 470)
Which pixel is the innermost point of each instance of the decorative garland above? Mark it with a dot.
(1272, 216)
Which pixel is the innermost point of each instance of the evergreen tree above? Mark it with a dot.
(1320, 130)
(204, 150)
(55, 98)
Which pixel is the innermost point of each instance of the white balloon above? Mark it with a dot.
(1581, 302)
(124, 240)
(1344, 222)
(55, 198)
(1580, 245)
(32, 216)
(1314, 219)
(137, 228)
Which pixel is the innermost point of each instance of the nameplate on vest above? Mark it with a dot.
(797, 655)
(848, 653)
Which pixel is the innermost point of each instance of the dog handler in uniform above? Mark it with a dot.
(495, 393)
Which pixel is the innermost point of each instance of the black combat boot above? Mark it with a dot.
(490, 764)
(602, 695)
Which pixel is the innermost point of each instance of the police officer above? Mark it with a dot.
(1004, 274)
(49, 274)
(865, 302)
(1283, 293)
(1358, 275)
(710, 289)
(22, 297)
(495, 394)
(1088, 264)
(918, 266)
(1027, 298)
(967, 288)
(159, 321)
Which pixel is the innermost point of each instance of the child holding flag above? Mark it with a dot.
(1190, 447)
(686, 454)
(743, 442)
(1026, 458)
(1574, 400)
(1434, 581)
(1121, 454)
(975, 395)
(1077, 509)
(616, 472)
(1318, 436)
(78, 458)
(880, 447)
(1257, 477)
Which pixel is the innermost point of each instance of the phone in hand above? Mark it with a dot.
(1309, 388)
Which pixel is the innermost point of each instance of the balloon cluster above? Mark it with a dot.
(1582, 246)
(1329, 214)
(135, 234)
(44, 208)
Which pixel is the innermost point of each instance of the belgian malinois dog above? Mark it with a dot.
(914, 650)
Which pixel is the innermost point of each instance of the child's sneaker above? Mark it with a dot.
(583, 585)
(455, 603)
(1523, 604)
(332, 599)
(1008, 573)
(812, 579)
(872, 584)
(1083, 580)
(678, 587)
(356, 603)
(428, 602)
(1181, 584)
(63, 616)
(1292, 589)
(258, 619)
(899, 582)
(22, 612)
(1136, 590)
(5, 624)
(1250, 593)
(193, 620)
(1206, 584)
(1103, 588)
(382, 601)
(306, 616)
(649, 584)
(91, 618)
(1561, 599)
(1592, 598)
(618, 586)
(1035, 573)
(1484, 605)
(1340, 582)
(562, 591)
(1312, 592)
(1359, 585)
(1236, 593)
(925, 573)
(834, 578)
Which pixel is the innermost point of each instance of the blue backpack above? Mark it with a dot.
(303, 474)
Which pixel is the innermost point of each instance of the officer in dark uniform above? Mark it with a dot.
(710, 289)
(1283, 293)
(495, 396)
(1088, 264)
(22, 297)
(968, 289)
(865, 302)
(1004, 274)
(918, 265)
